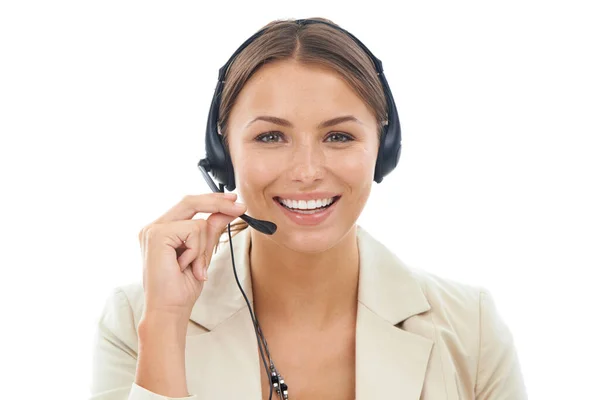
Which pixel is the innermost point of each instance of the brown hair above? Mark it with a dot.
(311, 44)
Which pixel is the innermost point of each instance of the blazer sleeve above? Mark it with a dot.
(499, 375)
(115, 354)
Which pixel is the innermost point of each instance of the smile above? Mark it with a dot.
(307, 206)
(307, 212)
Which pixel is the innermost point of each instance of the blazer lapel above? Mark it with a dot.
(225, 359)
(389, 360)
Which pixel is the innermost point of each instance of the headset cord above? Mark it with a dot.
(275, 377)
(259, 336)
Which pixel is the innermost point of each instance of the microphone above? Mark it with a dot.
(266, 227)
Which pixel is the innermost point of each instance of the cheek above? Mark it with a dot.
(358, 168)
(253, 173)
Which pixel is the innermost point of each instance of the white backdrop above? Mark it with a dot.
(103, 107)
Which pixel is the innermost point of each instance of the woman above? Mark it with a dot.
(301, 117)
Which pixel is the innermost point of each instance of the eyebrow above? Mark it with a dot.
(324, 124)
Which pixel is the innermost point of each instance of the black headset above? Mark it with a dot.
(217, 159)
(218, 162)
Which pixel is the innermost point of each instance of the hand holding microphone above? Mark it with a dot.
(177, 250)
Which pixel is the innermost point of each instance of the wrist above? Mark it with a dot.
(164, 325)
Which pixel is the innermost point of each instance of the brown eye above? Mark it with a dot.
(268, 137)
(339, 137)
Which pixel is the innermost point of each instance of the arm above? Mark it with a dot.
(115, 355)
(161, 363)
(498, 371)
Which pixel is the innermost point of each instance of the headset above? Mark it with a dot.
(218, 163)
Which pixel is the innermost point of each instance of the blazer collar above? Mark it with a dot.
(386, 355)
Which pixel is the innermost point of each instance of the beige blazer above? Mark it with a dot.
(417, 336)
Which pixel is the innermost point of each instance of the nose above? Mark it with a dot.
(307, 162)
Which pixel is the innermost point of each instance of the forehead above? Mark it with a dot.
(298, 90)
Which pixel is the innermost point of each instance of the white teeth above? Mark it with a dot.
(306, 205)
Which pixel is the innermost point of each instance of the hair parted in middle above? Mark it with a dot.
(311, 44)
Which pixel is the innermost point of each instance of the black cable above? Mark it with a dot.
(257, 329)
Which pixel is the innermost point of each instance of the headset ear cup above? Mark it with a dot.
(229, 181)
(391, 138)
(389, 151)
(220, 163)
(381, 157)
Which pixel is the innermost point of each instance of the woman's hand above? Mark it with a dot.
(177, 249)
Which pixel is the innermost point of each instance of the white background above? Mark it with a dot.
(103, 108)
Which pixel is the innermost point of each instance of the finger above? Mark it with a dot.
(192, 276)
(199, 263)
(192, 234)
(191, 205)
(198, 268)
(215, 224)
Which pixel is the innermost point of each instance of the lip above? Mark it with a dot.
(307, 196)
(308, 219)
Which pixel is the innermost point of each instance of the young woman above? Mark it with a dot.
(301, 117)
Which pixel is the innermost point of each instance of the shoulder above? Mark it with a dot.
(134, 295)
(122, 311)
(464, 309)
(454, 314)
(454, 301)
(467, 320)
(448, 296)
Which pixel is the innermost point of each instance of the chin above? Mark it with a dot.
(314, 240)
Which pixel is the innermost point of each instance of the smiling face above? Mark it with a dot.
(299, 135)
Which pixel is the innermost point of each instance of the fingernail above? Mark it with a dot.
(239, 206)
(230, 196)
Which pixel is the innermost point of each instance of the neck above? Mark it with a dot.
(309, 290)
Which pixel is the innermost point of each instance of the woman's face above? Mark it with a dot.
(284, 150)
